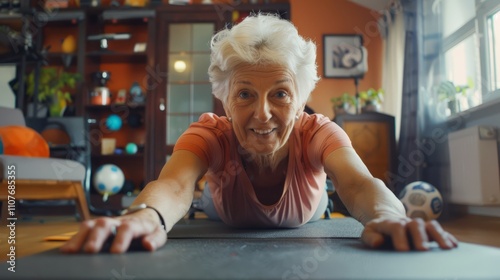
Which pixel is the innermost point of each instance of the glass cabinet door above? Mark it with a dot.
(188, 88)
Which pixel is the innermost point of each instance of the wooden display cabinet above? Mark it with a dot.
(373, 137)
(126, 63)
(126, 66)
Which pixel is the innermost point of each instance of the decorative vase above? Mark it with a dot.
(370, 106)
(57, 107)
(340, 110)
(454, 106)
(40, 112)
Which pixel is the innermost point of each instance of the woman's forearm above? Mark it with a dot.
(170, 198)
(374, 200)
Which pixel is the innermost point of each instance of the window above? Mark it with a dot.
(493, 26)
(468, 71)
(456, 15)
(461, 69)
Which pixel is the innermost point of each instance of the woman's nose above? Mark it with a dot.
(263, 111)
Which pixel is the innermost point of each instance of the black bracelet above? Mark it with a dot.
(142, 206)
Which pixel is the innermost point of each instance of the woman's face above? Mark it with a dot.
(262, 104)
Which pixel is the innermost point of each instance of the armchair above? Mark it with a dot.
(39, 178)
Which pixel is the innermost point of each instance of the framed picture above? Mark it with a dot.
(344, 56)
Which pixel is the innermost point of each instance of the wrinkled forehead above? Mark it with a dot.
(245, 73)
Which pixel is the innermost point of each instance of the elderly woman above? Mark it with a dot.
(266, 161)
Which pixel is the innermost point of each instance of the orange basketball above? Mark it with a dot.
(23, 141)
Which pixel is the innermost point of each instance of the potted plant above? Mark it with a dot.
(371, 99)
(342, 103)
(53, 88)
(448, 92)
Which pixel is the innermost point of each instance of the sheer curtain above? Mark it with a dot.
(407, 171)
(393, 32)
(420, 115)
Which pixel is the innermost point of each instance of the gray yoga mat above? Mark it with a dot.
(203, 228)
(327, 258)
(203, 249)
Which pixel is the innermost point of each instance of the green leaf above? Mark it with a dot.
(52, 81)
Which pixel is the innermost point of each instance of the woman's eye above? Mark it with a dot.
(244, 94)
(281, 94)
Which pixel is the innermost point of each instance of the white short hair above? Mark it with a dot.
(262, 39)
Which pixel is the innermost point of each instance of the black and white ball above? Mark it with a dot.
(422, 200)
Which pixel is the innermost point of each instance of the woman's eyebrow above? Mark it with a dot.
(282, 81)
(244, 82)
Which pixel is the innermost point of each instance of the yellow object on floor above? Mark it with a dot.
(61, 237)
(337, 215)
(334, 215)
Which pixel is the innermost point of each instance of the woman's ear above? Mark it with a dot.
(301, 109)
(226, 112)
(228, 115)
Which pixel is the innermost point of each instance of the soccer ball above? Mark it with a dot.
(421, 200)
(108, 180)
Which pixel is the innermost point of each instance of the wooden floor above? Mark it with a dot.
(475, 229)
(30, 232)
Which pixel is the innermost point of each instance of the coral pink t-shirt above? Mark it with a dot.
(314, 137)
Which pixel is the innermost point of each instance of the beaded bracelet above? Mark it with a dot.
(142, 206)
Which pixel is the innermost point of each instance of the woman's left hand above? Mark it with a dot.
(406, 234)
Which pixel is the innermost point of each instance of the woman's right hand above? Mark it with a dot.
(93, 234)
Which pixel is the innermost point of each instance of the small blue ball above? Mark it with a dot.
(113, 122)
(131, 148)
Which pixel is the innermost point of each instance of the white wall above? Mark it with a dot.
(7, 98)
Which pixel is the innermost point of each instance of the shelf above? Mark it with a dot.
(118, 157)
(73, 147)
(113, 106)
(8, 17)
(122, 14)
(59, 54)
(117, 57)
(112, 206)
(60, 58)
(59, 15)
(128, 13)
(15, 58)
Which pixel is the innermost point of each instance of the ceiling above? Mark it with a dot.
(376, 5)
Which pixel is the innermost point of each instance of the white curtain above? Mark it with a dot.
(393, 32)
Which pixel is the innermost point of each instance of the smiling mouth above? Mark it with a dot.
(263, 131)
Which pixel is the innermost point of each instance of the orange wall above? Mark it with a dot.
(317, 17)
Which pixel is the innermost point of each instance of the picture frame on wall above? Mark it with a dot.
(344, 56)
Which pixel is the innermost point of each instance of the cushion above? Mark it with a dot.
(23, 141)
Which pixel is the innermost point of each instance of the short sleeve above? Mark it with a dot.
(321, 136)
(206, 138)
